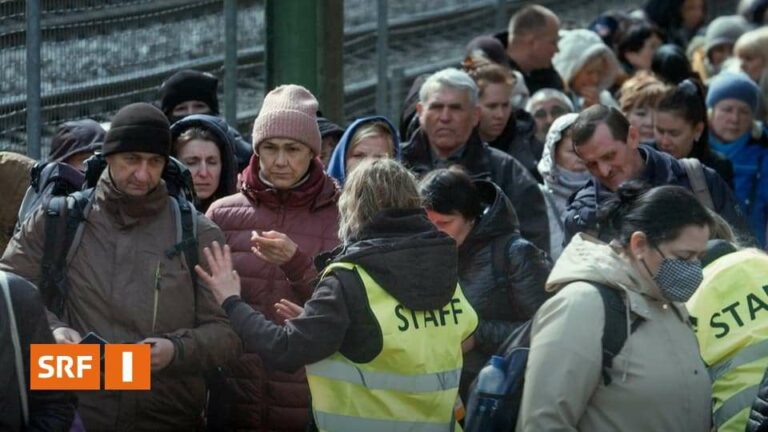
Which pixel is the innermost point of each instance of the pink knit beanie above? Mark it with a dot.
(288, 111)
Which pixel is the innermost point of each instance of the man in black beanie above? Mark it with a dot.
(125, 286)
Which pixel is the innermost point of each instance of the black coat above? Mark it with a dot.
(48, 410)
(758, 417)
(519, 141)
(483, 162)
(660, 169)
(501, 305)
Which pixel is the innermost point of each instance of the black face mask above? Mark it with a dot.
(677, 279)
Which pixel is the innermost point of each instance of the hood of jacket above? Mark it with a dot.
(591, 260)
(316, 191)
(75, 137)
(404, 252)
(576, 49)
(498, 217)
(224, 141)
(548, 168)
(337, 167)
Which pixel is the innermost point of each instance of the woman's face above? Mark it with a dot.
(283, 161)
(674, 135)
(692, 12)
(204, 161)
(690, 245)
(589, 76)
(453, 224)
(720, 53)
(375, 146)
(495, 109)
(642, 58)
(752, 65)
(730, 119)
(642, 118)
(545, 113)
(567, 158)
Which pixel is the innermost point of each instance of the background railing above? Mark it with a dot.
(98, 55)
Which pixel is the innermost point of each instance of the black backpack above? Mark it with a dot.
(64, 226)
(47, 180)
(515, 352)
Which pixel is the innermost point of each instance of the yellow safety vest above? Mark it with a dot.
(730, 310)
(411, 385)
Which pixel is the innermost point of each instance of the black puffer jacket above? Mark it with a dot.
(660, 169)
(519, 141)
(483, 162)
(758, 417)
(501, 305)
(48, 410)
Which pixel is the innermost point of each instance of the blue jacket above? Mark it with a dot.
(660, 169)
(337, 167)
(749, 156)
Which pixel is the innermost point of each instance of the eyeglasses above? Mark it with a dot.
(555, 112)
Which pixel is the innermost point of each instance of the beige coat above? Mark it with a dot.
(115, 274)
(659, 382)
(14, 178)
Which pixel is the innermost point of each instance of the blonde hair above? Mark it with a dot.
(372, 129)
(375, 185)
(755, 43)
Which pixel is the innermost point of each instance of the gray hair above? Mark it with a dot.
(451, 78)
(547, 94)
(375, 185)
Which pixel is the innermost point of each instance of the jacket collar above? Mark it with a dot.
(317, 191)
(474, 158)
(129, 210)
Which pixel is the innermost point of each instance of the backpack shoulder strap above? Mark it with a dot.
(17, 353)
(186, 234)
(615, 331)
(698, 182)
(63, 230)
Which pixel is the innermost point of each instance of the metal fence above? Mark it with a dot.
(98, 55)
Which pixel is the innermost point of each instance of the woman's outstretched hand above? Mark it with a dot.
(223, 280)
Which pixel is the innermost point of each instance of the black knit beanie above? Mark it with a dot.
(139, 127)
(189, 85)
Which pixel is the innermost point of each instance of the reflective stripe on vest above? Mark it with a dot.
(375, 380)
(341, 423)
(744, 356)
(730, 309)
(411, 385)
(735, 404)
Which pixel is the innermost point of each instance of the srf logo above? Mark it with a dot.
(78, 367)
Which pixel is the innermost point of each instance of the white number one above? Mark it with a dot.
(127, 366)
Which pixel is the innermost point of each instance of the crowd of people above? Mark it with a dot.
(335, 278)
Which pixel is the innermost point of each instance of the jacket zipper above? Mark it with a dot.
(158, 270)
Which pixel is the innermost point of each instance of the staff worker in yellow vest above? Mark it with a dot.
(381, 335)
(730, 311)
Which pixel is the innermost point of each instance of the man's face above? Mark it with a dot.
(136, 173)
(544, 44)
(609, 160)
(448, 118)
(190, 107)
(730, 119)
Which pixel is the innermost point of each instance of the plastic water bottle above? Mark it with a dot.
(490, 391)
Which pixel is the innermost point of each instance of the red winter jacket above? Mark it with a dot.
(271, 400)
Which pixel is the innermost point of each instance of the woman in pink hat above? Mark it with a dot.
(284, 214)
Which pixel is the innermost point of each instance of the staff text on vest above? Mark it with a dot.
(426, 318)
